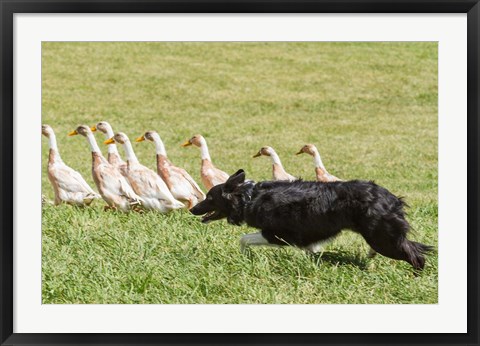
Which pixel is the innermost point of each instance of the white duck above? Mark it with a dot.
(111, 184)
(179, 182)
(113, 155)
(68, 185)
(320, 170)
(278, 172)
(145, 182)
(210, 174)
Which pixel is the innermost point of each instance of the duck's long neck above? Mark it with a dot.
(112, 148)
(93, 144)
(52, 142)
(204, 150)
(159, 146)
(317, 160)
(54, 154)
(276, 159)
(131, 157)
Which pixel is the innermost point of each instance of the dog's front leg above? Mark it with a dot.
(253, 239)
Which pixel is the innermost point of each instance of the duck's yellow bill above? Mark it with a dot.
(109, 141)
(186, 144)
(93, 128)
(140, 139)
(257, 154)
(73, 133)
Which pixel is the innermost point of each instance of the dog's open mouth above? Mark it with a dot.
(208, 216)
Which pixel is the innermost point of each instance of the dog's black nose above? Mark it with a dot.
(194, 210)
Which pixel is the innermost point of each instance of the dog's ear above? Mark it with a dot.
(234, 180)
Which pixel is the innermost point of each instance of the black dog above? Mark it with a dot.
(304, 214)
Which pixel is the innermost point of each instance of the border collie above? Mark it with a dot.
(304, 214)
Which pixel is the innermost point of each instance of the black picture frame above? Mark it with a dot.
(9, 8)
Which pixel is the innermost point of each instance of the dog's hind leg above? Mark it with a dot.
(253, 239)
(317, 247)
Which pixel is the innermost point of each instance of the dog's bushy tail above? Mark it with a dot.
(415, 253)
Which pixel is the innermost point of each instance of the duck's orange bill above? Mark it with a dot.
(93, 128)
(186, 144)
(109, 141)
(73, 133)
(140, 139)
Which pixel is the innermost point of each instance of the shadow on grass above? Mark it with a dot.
(340, 258)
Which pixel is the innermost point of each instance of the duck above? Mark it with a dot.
(179, 182)
(210, 174)
(113, 156)
(320, 171)
(145, 182)
(111, 184)
(278, 172)
(68, 185)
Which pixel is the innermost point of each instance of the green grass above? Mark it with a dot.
(371, 109)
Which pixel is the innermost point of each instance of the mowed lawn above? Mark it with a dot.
(370, 108)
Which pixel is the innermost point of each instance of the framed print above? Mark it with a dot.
(240, 173)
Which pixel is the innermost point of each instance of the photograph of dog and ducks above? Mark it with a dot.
(331, 141)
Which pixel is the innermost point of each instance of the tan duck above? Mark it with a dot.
(210, 174)
(68, 185)
(278, 172)
(320, 170)
(113, 155)
(145, 182)
(179, 182)
(111, 184)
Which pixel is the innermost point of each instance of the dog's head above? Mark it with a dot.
(223, 201)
